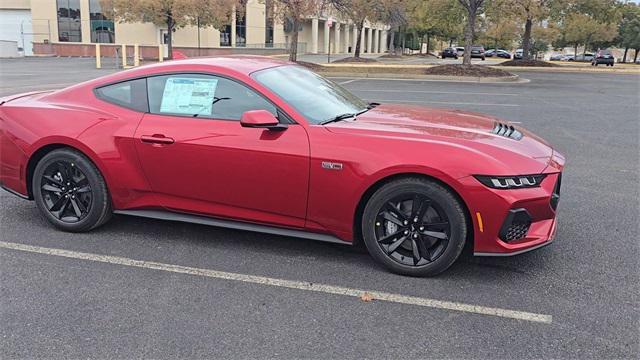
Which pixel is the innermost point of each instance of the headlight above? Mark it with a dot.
(511, 182)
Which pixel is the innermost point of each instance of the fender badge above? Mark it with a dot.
(331, 165)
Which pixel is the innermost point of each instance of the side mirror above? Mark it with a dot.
(261, 119)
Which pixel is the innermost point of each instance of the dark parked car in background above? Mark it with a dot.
(449, 52)
(603, 57)
(498, 53)
(477, 52)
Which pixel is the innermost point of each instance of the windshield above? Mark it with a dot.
(318, 99)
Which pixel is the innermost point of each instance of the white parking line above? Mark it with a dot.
(440, 102)
(348, 81)
(290, 284)
(431, 92)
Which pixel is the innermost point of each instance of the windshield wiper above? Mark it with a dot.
(345, 116)
(339, 118)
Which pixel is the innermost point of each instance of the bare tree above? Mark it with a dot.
(173, 14)
(360, 11)
(295, 12)
(472, 7)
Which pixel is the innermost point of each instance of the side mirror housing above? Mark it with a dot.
(261, 119)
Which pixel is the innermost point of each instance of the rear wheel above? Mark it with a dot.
(414, 227)
(70, 191)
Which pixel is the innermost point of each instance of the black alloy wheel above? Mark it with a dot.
(412, 229)
(66, 191)
(414, 226)
(70, 191)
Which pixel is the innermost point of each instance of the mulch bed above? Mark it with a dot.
(466, 70)
(355, 60)
(536, 63)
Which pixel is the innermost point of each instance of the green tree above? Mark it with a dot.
(582, 29)
(629, 30)
(501, 26)
(434, 18)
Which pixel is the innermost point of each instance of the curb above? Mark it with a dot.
(400, 76)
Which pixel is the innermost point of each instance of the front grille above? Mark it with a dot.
(506, 130)
(515, 226)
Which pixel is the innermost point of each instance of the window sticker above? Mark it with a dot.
(188, 96)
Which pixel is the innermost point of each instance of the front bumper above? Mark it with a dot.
(511, 222)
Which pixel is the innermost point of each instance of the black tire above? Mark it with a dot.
(442, 204)
(84, 205)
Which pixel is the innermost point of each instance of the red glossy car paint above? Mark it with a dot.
(223, 170)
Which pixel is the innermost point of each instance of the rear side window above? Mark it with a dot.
(203, 96)
(130, 94)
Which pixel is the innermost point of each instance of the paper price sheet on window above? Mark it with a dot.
(188, 96)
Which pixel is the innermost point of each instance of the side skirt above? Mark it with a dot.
(230, 224)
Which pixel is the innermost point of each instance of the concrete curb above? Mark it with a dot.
(400, 76)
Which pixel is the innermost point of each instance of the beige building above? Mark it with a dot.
(83, 22)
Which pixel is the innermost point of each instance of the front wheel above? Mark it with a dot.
(414, 227)
(70, 191)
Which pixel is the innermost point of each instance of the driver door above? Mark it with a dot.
(198, 159)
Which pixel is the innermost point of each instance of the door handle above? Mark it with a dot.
(157, 139)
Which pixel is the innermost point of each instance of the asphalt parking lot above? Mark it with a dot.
(584, 286)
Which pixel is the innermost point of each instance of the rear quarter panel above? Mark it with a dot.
(101, 131)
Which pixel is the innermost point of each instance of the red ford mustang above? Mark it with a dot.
(264, 145)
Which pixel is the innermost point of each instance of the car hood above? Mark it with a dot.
(467, 129)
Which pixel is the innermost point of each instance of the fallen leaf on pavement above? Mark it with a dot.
(366, 297)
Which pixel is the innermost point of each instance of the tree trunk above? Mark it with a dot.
(170, 25)
(526, 39)
(468, 37)
(624, 57)
(293, 48)
(428, 43)
(359, 28)
(575, 51)
(421, 42)
(450, 42)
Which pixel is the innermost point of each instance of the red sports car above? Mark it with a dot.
(265, 145)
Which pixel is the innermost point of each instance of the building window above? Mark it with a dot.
(268, 21)
(102, 28)
(69, 22)
(225, 35)
(241, 30)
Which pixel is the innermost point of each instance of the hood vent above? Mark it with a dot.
(507, 131)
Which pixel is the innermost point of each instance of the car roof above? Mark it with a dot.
(245, 64)
(233, 65)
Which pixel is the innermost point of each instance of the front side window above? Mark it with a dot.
(69, 21)
(131, 94)
(203, 96)
(316, 98)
